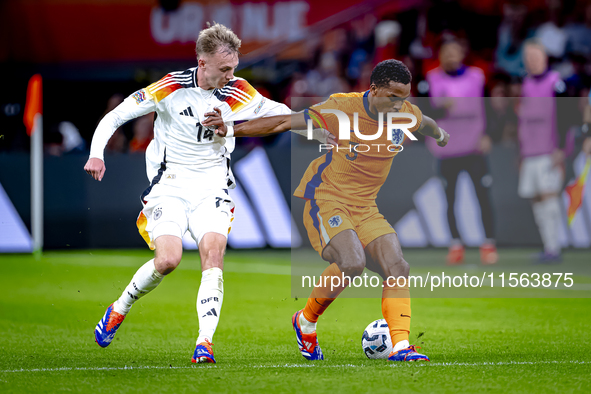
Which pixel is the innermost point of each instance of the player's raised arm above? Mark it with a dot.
(429, 128)
(270, 125)
(138, 104)
(254, 128)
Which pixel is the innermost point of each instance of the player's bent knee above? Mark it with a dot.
(169, 251)
(167, 260)
(167, 263)
(352, 264)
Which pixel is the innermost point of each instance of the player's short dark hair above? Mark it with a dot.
(390, 70)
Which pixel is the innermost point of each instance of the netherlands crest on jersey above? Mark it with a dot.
(139, 96)
(397, 136)
(335, 221)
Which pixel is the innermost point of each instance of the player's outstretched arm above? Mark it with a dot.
(254, 128)
(429, 128)
(138, 104)
(264, 126)
(267, 126)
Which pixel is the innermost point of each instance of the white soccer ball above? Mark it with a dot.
(376, 342)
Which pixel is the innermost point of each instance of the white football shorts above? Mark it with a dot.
(167, 214)
(538, 176)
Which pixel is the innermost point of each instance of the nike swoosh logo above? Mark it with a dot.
(401, 315)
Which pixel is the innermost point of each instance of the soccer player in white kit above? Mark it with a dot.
(188, 166)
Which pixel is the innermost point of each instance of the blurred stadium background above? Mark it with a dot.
(92, 54)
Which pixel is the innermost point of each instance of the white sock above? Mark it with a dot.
(401, 345)
(455, 242)
(547, 215)
(209, 302)
(553, 216)
(307, 326)
(144, 281)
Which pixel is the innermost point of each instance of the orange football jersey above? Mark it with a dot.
(354, 174)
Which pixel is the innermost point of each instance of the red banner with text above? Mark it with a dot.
(55, 31)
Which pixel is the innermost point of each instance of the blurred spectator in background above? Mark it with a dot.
(363, 45)
(327, 78)
(327, 74)
(143, 133)
(13, 135)
(578, 78)
(64, 138)
(541, 145)
(551, 33)
(72, 141)
(586, 129)
(364, 79)
(501, 120)
(118, 142)
(579, 31)
(458, 91)
(512, 33)
(298, 87)
(387, 34)
(52, 142)
(418, 48)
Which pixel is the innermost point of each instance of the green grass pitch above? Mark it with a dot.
(49, 307)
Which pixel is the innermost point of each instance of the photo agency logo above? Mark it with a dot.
(395, 131)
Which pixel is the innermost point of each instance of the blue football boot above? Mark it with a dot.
(307, 343)
(203, 353)
(107, 327)
(407, 354)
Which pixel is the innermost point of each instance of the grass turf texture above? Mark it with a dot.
(49, 308)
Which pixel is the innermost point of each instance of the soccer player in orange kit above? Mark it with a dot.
(340, 187)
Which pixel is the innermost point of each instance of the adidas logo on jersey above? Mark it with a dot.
(210, 313)
(187, 112)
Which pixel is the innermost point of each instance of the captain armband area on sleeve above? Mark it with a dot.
(306, 115)
(316, 117)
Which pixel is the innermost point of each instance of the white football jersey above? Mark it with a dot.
(182, 148)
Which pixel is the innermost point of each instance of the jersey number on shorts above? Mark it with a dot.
(203, 133)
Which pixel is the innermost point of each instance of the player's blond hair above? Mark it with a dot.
(217, 38)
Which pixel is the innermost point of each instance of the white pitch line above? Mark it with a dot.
(95, 368)
(492, 364)
(315, 365)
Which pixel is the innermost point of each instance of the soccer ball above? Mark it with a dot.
(376, 342)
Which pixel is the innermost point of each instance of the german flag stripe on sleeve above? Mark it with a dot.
(170, 83)
(237, 93)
